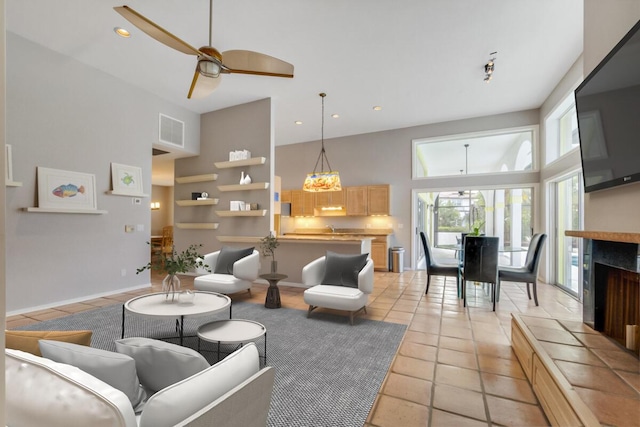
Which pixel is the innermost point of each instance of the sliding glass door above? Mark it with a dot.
(568, 216)
(502, 212)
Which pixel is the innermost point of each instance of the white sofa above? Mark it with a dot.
(41, 392)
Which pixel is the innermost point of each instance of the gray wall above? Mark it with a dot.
(385, 158)
(605, 23)
(242, 127)
(3, 309)
(76, 118)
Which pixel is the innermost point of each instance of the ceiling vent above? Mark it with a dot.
(157, 152)
(171, 131)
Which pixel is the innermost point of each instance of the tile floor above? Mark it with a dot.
(454, 367)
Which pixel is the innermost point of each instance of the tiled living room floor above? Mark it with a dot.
(454, 367)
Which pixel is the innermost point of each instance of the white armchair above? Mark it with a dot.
(229, 276)
(345, 296)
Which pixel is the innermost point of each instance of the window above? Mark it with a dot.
(561, 130)
(478, 153)
(568, 136)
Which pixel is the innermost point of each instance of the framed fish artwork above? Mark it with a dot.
(60, 189)
(126, 180)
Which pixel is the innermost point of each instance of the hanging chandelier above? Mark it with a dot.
(324, 180)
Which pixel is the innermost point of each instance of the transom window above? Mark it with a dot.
(470, 154)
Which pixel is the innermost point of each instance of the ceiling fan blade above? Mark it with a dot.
(155, 31)
(248, 62)
(202, 86)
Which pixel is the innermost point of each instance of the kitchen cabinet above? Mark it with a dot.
(356, 201)
(329, 199)
(378, 202)
(302, 203)
(380, 254)
(285, 196)
(368, 200)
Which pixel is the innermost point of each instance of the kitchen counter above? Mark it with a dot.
(341, 232)
(379, 245)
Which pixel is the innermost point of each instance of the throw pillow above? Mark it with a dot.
(171, 405)
(28, 340)
(343, 269)
(228, 256)
(117, 370)
(160, 364)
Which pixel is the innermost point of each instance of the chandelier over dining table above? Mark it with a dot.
(328, 180)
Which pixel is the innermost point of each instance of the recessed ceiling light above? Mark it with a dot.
(335, 116)
(298, 122)
(377, 108)
(122, 32)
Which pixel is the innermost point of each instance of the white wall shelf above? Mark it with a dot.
(244, 187)
(197, 225)
(197, 202)
(238, 163)
(69, 211)
(196, 178)
(118, 193)
(257, 212)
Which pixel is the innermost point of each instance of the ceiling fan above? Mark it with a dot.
(211, 63)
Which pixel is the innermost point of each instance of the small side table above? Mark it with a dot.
(273, 292)
(233, 331)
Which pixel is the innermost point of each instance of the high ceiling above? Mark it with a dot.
(421, 60)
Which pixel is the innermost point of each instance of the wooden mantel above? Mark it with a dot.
(606, 236)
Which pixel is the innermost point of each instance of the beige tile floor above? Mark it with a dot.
(454, 367)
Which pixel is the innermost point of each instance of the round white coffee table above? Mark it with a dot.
(232, 331)
(157, 305)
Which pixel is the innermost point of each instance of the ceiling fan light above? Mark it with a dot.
(208, 68)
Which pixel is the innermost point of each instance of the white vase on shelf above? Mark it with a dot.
(247, 179)
(242, 177)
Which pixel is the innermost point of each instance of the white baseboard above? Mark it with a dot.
(76, 300)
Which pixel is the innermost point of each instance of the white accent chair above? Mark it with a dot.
(245, 272)
(344, 298)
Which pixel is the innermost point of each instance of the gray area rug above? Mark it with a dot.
(327, 372)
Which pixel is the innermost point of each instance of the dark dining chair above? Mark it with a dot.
(435, 268)
(529, 272)
(480, 264)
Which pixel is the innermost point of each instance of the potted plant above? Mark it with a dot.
(268, 245)
(477, 227)
(175, 263)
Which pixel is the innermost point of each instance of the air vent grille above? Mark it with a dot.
(171, 131)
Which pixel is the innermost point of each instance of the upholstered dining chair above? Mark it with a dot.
(339, 282)
(529, 272)
(166, 246)
(480, 263)
(438, 268)
(233, 270)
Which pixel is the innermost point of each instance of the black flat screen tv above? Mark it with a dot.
(608, 108)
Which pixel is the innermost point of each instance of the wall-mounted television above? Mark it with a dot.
(608, 107)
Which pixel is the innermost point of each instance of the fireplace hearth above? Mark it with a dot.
(611, 284)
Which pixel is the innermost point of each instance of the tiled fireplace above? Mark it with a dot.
(611, 284)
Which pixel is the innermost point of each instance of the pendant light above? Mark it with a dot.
(324, 180)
